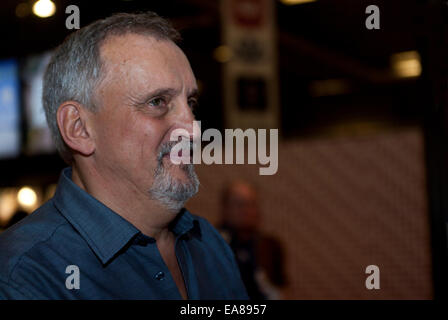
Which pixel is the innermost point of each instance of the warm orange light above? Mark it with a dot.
(223, 54)
(406, 64)
(44, 8)
(27, 197)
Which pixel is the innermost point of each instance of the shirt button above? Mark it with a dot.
(159, 275)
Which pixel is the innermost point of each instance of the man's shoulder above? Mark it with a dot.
(27, 236)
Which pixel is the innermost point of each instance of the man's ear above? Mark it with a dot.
(73, 124)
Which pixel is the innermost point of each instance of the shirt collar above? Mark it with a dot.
(105, 231)
(185, 224)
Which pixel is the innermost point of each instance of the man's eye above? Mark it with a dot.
(158, 102)
(193, 103)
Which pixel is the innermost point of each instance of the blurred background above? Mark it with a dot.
(362, 119)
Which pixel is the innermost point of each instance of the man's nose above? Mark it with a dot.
(185, 119)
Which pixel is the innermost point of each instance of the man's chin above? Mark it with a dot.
(174, 185)
(179, 171)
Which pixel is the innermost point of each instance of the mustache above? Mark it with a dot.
(166, 147)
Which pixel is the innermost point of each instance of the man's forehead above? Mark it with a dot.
(144, 57)
(130, 45)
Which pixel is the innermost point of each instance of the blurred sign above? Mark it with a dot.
(250, 76)
(248, 13)
(9, 109)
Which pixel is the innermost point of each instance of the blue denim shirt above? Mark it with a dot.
(74, 247)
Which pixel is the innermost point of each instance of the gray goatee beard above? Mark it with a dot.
(169, 191)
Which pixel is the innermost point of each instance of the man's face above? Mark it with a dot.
(148, 91)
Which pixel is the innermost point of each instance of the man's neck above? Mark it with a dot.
(125, 199)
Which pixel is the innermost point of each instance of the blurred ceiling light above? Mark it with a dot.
(27, 197)
(406, 64)
(22, 10)
(223, 54)
(44, 8)
(292, 2)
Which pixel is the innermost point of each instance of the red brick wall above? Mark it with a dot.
(339, 205)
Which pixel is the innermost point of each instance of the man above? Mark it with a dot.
(259, 256)
(116, 228)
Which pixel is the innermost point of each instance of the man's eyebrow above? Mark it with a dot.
(193, 93)
(162, 92)
(170, 92)
(142, 98)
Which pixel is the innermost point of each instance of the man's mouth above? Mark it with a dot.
(181, 155)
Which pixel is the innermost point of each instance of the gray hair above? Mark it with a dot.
(75, 67)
